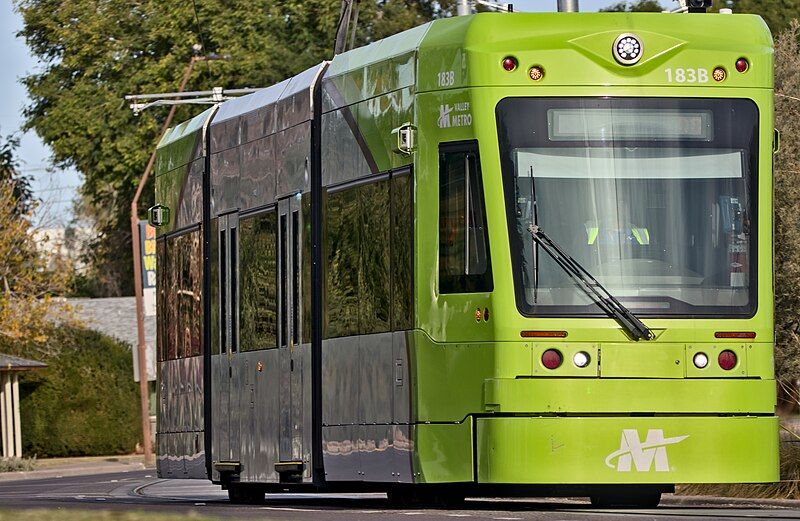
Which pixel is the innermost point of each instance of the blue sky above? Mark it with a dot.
(58, 188)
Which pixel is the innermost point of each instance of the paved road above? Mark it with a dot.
(141, 490)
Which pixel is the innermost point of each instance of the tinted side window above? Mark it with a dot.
(182, 263)
(306, 256)
(258, 271)
(402, 258)
(215, 286)
(161, 298)
(342, 251)
(368, 239)
(171, 312)
(374, 281)
(464, 262)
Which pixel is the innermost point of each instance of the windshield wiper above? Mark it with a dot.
(635, 328)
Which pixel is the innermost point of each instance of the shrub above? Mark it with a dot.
(85, 402)
(17, 464)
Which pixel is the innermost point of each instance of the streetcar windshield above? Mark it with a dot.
(654, 197)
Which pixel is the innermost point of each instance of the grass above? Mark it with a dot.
(95, 515)
(17, 464)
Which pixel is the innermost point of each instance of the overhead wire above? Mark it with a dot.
(200, 35)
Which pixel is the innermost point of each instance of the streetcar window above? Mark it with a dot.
(193, 290)
(368, 247)
(296, 277)
(306, 259)
(655, 197)
(342, 250)
(464, 264)
(401, 242)
(375, 296)
(173, 259)
(258, 272)
(284, 256)
(234, 318)
(214, 270)
(161, 295)
(223, 288)
(182, 280)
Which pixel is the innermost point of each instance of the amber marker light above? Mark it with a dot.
(536, 73)
(735, 334)
(742, 65)
(509, 63)
(719, 74)
(543, 334)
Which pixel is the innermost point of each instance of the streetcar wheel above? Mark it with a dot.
(426, 498)
(626, 500)
(244, 495)
(400, 497)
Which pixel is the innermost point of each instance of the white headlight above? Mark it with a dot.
(581, 359)
(700, 360)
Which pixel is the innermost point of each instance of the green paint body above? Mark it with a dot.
(479, 389)
(543, 426)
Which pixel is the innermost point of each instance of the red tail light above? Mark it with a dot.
(552, 359)
(727, 360)
(742, 65)
(509, 63)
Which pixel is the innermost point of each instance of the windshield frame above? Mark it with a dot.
(510, 111)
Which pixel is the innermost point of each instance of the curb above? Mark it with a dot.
(673, 500)
(71, 471)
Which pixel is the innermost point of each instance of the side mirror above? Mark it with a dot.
(158, 215)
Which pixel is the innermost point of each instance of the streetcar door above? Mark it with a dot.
(289, 310)
(229, 380)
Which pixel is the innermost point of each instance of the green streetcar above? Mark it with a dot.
(494, 254)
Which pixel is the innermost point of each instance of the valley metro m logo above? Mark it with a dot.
(642, 454)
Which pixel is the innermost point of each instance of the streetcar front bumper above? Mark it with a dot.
(594, 431)
(622, 450)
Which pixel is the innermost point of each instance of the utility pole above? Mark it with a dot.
(568, 6)
(144, 389)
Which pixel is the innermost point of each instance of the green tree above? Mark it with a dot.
(27, 283)
(777, 13)
(634, 7)
(10, 176)
(94, 53)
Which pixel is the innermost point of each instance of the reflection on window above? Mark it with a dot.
(257, 270)
(214, 268)
(402, 229)
(306, 261)
(654, 197)
(368, 257)
(161, 297)
(182, 283)
(374, 289)
(464, 265)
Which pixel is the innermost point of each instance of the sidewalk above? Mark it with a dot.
(60, 467)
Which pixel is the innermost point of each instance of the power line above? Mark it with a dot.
(200, 35)
(57, 188)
